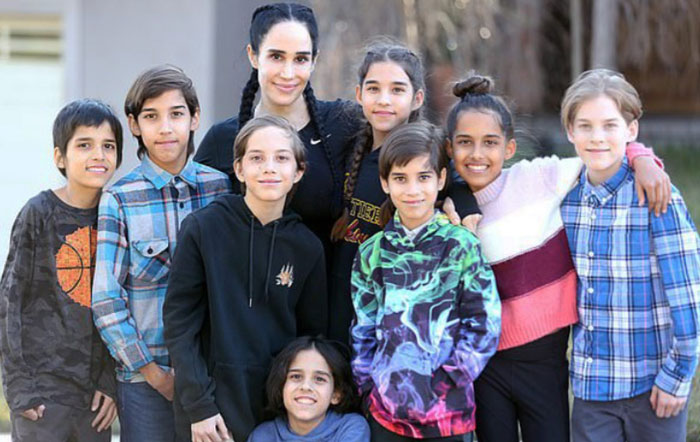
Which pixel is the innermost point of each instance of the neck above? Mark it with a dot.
(264, 211)
(172, 169)
(412, 224)
(598, 177)
(78, 198)
(302, 428)
(296, 113)
(377, 139)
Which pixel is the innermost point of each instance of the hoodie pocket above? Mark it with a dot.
(150, 261)
(240, 396)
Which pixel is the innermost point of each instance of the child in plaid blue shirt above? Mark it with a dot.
(139, 219)
(635, 345)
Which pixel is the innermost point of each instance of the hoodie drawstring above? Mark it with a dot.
(269, 260)
(250, 261)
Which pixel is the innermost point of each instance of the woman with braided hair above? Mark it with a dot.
(282, 52)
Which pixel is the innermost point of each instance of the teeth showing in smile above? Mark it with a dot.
(305, 400)
(97, 169)
(477, 167)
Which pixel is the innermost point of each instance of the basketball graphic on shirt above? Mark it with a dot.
(75, 262)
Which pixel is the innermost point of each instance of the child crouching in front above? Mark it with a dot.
(311, 390)
(427, 310)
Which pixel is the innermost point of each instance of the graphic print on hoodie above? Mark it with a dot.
(238, 293)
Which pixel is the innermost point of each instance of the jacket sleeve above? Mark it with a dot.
(677, 248)
(363, 332)
(312, 307)
(18, 378)
(479, 310)
(110, 301)
(184, 311)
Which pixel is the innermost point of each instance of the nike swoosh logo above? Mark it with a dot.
(318, 140)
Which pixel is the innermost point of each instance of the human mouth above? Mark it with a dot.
(97, 169)
(305, 400)
(477, 168)
(383, 113)
(413, 202)
(286, 87)
(167, 143)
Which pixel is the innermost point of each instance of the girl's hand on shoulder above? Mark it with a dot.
(212, 429)
(652, 184)
(471, 222)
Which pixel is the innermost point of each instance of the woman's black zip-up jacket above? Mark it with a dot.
(238, 293)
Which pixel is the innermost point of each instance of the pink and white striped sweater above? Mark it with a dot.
(523, 239)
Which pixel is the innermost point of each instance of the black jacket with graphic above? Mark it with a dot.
(50, 348)
(238, 293)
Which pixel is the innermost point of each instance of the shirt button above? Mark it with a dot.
(590, 328)
(592, 215)
(182, 205)
(590, 290)
(589, 360)
(591, 254)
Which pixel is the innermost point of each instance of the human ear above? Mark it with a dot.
(336, 397)
(442, 178)
(569, 135)
(358, 94)
(252, 56)
(58, 158)
(134, 126)
(238, 170)
(511, 147)
(299, 174)
(633, 129)
(418, 99)
(385, 185)
(194, 123)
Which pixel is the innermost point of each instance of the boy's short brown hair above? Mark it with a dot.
(153, 83)
(597, 82)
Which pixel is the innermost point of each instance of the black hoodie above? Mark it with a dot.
(238, 293)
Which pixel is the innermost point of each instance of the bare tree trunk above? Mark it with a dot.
(604, 44)
(576, 18)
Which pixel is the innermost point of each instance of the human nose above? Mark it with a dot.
(166, 125)
(269, 165)
(597, 134)
(98, 153)
(288, 70)
(384, 97)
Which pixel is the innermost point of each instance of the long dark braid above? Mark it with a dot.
(384, 50)
(245, 111)
(363, 145)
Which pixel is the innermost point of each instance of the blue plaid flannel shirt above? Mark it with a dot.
(638, 291)
(138, 222)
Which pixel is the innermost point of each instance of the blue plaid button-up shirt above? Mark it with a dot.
(638, 291)
(139, 218)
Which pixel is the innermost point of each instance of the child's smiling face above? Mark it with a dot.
(413, 188)
(479, 148)
(308, 391)
(600, 135)
(387, 98)
(90, 159)
(164, 124)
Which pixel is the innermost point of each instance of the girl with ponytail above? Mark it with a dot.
(282, 51)
(525, 384)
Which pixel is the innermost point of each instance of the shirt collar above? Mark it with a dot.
(396, 233)
(606, 190)
(160, 178)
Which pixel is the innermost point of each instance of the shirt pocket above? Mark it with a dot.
(150, 259)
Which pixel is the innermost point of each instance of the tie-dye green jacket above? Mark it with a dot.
(427, 321)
